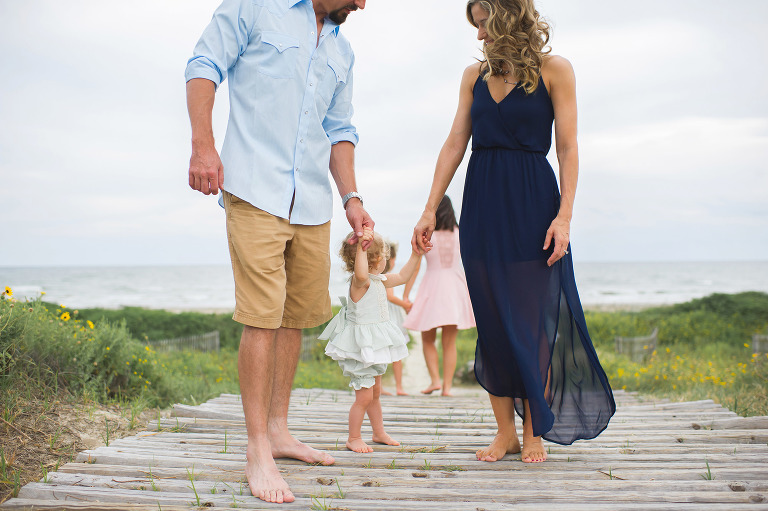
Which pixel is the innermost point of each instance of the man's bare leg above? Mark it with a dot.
(284, 445)
(256, 367)
(506, 441)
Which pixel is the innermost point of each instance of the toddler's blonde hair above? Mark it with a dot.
(376, 250)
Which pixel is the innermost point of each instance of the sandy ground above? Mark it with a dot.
(39, 436)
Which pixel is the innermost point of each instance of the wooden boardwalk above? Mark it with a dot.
(654, 455)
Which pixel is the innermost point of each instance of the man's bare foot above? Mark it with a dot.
(265, 481)
(533, 450)
(384, 438)
(500, 446)
(286, 446)
(357, 445)
(401, 392)
(385, 392)
(433, 387)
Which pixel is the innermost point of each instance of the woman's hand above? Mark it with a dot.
(559, 231)
(422, 233)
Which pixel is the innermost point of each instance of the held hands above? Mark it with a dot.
(359, 219)
(407, 305)
(559, 231)
(206, 172)
(422, 233)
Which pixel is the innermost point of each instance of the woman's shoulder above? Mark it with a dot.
(472, 72)
(556, 69)
(556, 66)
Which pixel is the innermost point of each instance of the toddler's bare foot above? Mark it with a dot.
(500, 446)
(265, 481)
(384, 438)
(533, 450)
(385, 392)
(284, 445)
(433, 387)
(357, 445)
(401, 392)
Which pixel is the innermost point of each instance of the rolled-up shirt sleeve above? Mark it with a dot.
(223, 41)
(338, 120)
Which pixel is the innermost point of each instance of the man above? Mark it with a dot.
(290, 89)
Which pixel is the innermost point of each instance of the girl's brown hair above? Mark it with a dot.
(376, 250)
(520, 38)
(392, 246)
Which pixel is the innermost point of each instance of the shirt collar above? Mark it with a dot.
(334, 27)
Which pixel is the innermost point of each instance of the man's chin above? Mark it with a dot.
(339, 16)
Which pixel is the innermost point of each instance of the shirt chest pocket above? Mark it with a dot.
(277, 55)
(335, 76)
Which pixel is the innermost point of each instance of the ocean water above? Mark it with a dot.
(609, 285)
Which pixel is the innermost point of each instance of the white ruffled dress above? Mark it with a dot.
(362, 338)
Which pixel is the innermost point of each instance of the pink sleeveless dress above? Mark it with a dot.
(443, 298)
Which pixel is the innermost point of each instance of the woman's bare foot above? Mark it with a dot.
(432, 388)
(533, 450)
(500, 446)
(384, 438)
(265, 481)
(284, 445)
(446, 393)
(357, 445)
(385, 392)
(401, 392)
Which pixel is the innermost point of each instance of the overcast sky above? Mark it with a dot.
(94, 133)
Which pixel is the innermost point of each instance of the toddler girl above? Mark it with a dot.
(362, 338)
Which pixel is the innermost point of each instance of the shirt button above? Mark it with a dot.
(306, 112)
(301, 141)
(297, 169)
(310, 84)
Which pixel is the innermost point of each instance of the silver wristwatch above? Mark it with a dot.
(348, 196)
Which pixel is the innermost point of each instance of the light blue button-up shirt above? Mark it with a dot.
(290, 101)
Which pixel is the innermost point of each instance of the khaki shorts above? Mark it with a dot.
(281, 269)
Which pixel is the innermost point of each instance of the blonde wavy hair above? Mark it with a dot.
(376, 250)
(520, 37)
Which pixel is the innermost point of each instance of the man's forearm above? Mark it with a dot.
(201, 94)
(343, 167)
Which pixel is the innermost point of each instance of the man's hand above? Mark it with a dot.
(206, 172)
(359, 219)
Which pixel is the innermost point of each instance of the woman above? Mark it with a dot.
(443, 300)
(534, 354)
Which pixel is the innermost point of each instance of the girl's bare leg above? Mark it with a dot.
(533, 449)
(506, 441)
(363, 398)
(449, 357)
(430, 356)
(397, 369)
(376, 417)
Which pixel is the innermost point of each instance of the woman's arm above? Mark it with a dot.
(561, 81)
(448, 161)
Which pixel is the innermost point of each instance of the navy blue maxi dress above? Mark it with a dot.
(532, 340)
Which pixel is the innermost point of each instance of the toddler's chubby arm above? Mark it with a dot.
(360, 281)
(397, 279)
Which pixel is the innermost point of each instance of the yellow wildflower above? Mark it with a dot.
(90, 324)
(8, 292)
(620, 372)
(65, 316)
(107, 348)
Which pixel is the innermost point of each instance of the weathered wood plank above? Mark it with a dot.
(651, 457)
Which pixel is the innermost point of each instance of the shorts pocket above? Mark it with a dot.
(277, 54)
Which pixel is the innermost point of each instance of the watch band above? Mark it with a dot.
(348, 196)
